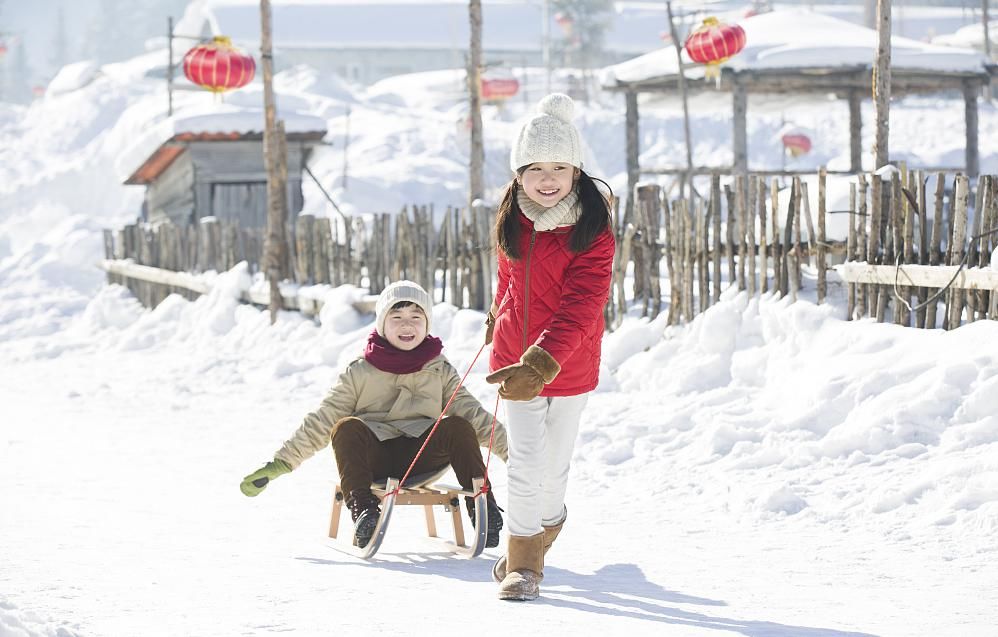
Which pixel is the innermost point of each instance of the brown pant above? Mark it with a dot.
(361, 457)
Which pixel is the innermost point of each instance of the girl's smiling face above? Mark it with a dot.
(405, 327)
(547, 183)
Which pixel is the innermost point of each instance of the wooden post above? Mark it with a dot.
(476, 188)
(785, 275)
(935, 243)
(851, 254)
(731, 225)
(861, 245)
(763, 247)
(684, 94)
(322, 240)
(689, 239)
(885, 239)
(275, 250)
(649, 197)
(749, 241)
(774, 196)
(972, 156)
(882, 83)
(955, 310)
(740, 205)
(923, 244)
(304, 238)
(981, 203)
(896, 235)
(703, 261)
(796, 283)
(855, 131)
(670, 260)
(822, 265)
(988, 222)
(715, 216)
(739, 98)
(633, 150)
(806, 213)
(908, 254)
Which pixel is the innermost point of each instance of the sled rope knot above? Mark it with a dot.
(443, 413)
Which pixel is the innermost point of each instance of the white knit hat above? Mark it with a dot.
(398, 292)
(549, 135)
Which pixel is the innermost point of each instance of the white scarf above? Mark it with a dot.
(564, 213)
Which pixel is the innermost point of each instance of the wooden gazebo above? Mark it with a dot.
(799, 52)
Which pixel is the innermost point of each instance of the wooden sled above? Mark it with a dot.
(416, 492)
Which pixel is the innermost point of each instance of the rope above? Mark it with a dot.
(437, 423)
(934, 297)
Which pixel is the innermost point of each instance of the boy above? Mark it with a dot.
(381, 410)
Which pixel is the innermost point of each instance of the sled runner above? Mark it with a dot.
(417, 491)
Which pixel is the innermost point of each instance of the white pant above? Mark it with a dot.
(541, 435)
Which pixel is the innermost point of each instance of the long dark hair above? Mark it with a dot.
(595, 216)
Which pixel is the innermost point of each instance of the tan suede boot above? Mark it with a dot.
(550, 535)
(525, 558)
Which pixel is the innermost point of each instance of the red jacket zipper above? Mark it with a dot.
(526, 294)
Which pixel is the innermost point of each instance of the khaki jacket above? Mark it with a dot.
(392, 405)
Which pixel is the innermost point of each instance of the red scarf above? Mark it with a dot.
(388, 358)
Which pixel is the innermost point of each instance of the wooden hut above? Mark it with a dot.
(803, 52)
(211, 165)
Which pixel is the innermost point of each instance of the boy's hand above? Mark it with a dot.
(257, 481)
(525, 380)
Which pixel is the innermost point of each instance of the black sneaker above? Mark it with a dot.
(494, 522)
(363, 530)
(365, 512)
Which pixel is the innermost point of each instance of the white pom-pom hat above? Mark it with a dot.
(402, 291)
(549, 135)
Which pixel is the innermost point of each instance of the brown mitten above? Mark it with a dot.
(525, 380)
(490, 326)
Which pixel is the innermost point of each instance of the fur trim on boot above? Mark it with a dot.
(550, 535)
(525, 558)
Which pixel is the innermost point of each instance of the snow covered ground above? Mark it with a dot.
(768, 470)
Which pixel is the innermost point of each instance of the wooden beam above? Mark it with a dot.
(855, 131)
(930, 276)
(126, 268)
(633, 149)
(970, 91)
(882, 84)
(739, 99)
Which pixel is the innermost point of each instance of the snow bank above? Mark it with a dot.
(72, 77)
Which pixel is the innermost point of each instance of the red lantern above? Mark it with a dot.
(564, 21)
(713, 43)
(218, 66)
(499, 89)
(797, 143)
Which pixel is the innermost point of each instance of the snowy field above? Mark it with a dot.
(769, 470)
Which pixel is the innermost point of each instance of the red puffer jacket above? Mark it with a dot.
(554, 298)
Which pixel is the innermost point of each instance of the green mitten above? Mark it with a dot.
(257, 481)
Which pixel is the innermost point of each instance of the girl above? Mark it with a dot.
(555, 259)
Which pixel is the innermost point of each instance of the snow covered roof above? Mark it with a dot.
(155, 150)
(799, 40)
(970, 36)
(507, 25)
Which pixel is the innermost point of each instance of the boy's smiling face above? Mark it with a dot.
(405, 327)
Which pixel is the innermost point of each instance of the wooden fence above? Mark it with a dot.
(449, 254)
(904, 266)
(899, 263)
(738, 226)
